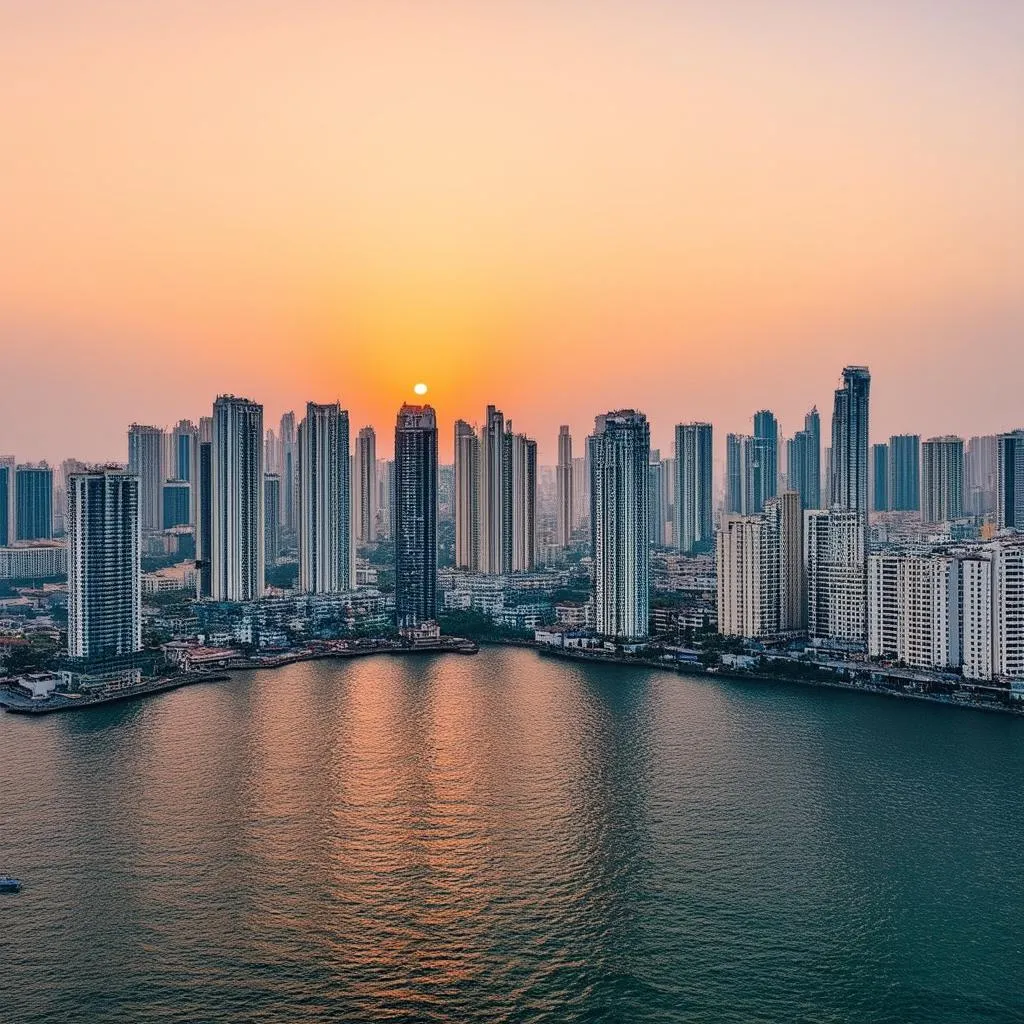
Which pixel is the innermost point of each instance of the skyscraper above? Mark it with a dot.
(271, 522)
(905, 472)
(786, 520)
(146, 461)
(655, 496)
(204, 517)
(620, 456)
(880, 477)
(176, 504)
(580, 492)
(850, 441)
(415, 515)
(104, 565)
(33, 486)
(942, 479)
(739, 468)
(766, 458)
(747, 570)
(467, 497)
(365, 487)
(6, 487)
(981, 475)
(803, 457)
(564, 488)
(694, 526)
(236, 478)
(834, 558)
(1010, 481)
(523, 457)
(325, 535)
(386, 499)
(288, 468)
(495, 495)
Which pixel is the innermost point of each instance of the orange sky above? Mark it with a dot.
(695, 209)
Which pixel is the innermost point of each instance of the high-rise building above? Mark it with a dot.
(33, 487)
(288, 469)
(747, 570)
(580, 492)
(836, 568)
(850, 441)
(365, 486)
(415, 515)
(272, 458)
(183, 461)
(495, 495)
(620, 455)
(386, 499)
(981, 475)
(905, 472)
(766, 458)
(803, 459)
(236, 478)
(942, 479)
(656, 492)
(1008, 610)
(271, 511)
(146, 461)
(325, 534)
(523, 458)
(786, 519)
(693, 522)
(204, 518)
(177, 504)
(1010, 481)
(467, 497)
(564, 517)
(879, 477)
(6, 487)
(104, 565)
(739, 468)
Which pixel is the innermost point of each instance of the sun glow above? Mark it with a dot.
(420, 389)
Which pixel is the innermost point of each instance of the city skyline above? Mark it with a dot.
(272, 214)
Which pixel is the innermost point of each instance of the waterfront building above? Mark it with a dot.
(271, 524)
(905, 472)
(33, 485)
(523, 459)
(849, 488)
(880, 477)
(495, 495)
(415, 516)
(146, 460)
(204, 519)
(467, 497)
(1008, 610)
(325, 501)
(1010, 481)
(365, 486)
(564, 512)
(765, 459)
(177, 504)
(620, 456)
(693, 520)
(236, 495)
(747, 565)
(803, 461)
(786, 520)
(942, 479)
(739, 467)
(836, 570)
(104, 565)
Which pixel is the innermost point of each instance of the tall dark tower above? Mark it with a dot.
(415, 515)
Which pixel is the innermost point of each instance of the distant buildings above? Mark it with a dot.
(739, 470)
(620, 456)
(236, 500)
(271, 520)
(879, 477)
(803, 459)
(33, 501)
(288, 469)
(467, 497)
(146, 462)
(849, 485)
(766, 458)
(364, 487)
(6, 493)
(325, 501)
(564, 520)
(104, 565)
(415, 515)
(942, 479)
(905, 472)
(176, 504)
(694, 525)
(981, 476)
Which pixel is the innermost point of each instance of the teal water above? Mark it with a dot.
(511, 838)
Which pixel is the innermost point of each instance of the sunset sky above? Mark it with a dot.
(561, 207)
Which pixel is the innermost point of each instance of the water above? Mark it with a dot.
(511, 838)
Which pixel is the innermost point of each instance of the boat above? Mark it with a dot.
(9, 884)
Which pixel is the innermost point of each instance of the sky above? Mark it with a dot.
(561, 207)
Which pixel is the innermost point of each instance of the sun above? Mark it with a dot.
(420, 389)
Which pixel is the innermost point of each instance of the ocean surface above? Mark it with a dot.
(509, 837)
